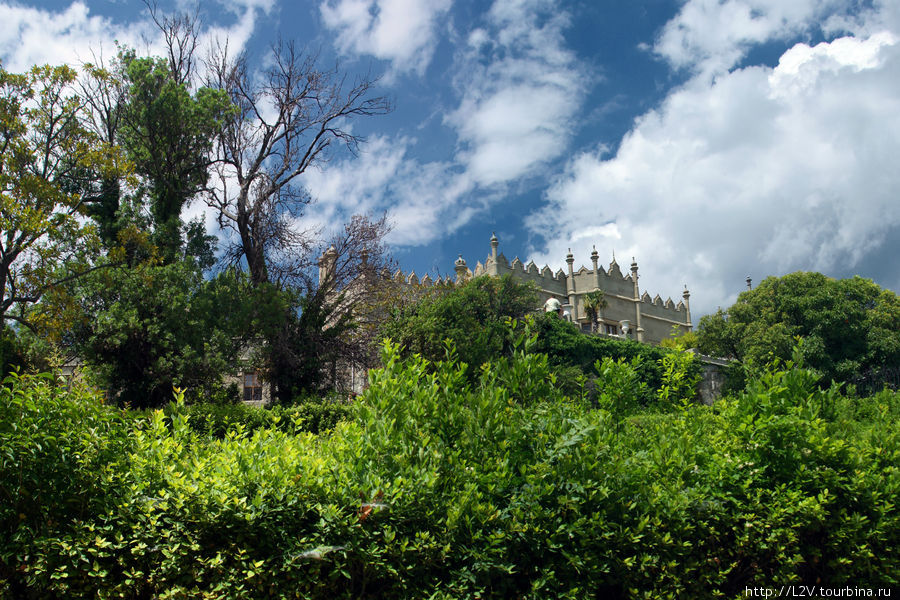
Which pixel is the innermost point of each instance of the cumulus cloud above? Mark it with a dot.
(73, 35)
(32, 36)
(714, 35)
(422, 199)
(520, 89)
(400, 31)
(759, 171)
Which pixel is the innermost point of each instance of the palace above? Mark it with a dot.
(629, 312)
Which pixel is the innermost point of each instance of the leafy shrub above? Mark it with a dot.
(474, 317)
(57, 446)
(680, 377)
(619, 388)
(449, 484)
(217, 420)
(567, 347)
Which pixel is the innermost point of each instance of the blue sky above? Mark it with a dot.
(709, 139)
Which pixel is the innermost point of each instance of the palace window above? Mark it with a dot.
(252, 388)
(611, 329)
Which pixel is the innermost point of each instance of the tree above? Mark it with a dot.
(168, 133)
(850, 326)
(594, 303)
(103, 90)
(284, 123)
(11, 354)
(150, 327)
(43, 145)
(326, 321)
(472, 316)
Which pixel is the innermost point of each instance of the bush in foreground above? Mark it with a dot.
(445, 486)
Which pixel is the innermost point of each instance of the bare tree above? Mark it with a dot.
(283, 123)
(181, 33)
(354, 279)
(331, 328)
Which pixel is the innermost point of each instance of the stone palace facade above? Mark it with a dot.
(629, 312)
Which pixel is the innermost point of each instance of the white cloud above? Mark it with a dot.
(714, 35)
(760, 171)
(32, 36)
(519, 91)
(401, 31)
(521, 88)
(421, 198)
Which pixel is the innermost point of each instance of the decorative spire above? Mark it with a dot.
(749, 283)
(328, 254)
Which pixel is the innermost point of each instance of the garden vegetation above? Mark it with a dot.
(450, 480)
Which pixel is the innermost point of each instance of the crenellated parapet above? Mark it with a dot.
(412, 279)
(649, 319)
(627, 310)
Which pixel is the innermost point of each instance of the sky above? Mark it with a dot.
(711, 140)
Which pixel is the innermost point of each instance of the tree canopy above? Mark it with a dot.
(472, 316)
(43, 147)
(850, 327)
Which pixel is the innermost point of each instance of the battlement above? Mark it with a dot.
(411, 278)
(625, 308)
(625, 302)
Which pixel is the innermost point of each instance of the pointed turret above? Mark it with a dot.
(461, 270)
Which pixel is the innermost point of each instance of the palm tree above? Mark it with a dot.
(594, 302)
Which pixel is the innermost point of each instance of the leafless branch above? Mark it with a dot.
(181, 33)
(281, 127)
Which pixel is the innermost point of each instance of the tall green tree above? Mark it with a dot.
(850, 327)
(150, 327)
(169, 132)
(43, 145)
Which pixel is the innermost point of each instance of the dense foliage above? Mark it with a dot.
(11, 353)
(148, 328)
(473, 317)
(574, 354)
(851, 327)
(44, 145)
(447, 487)
(314, 415)
(96, 169)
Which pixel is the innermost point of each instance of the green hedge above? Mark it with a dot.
(445, 487)
(313, 416)
(567, 348)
